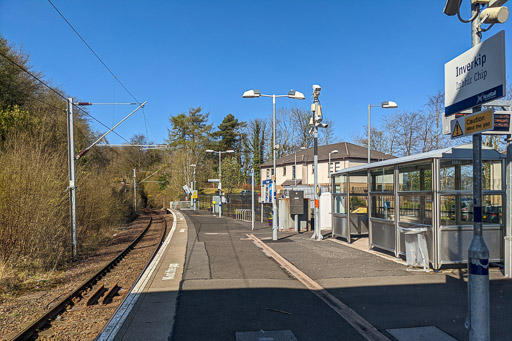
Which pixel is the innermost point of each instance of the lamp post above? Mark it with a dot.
(220, 152)
(194, 188)
(295, 174)
(291, 94)
(329, 176)
(385, 105)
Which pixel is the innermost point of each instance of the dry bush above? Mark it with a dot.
(32, 201)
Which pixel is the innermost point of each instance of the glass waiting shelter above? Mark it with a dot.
(432, 190)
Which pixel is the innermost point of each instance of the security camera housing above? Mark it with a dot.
(452, 7)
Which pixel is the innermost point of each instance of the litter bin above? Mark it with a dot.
(416, 251)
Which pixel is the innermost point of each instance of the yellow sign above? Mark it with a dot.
(194, 194)
(479, 122)
(476, 123)
(457, 131)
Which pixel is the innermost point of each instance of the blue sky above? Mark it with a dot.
(182, 54)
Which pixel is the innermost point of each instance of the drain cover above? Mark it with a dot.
(420, 334)
(274, 335)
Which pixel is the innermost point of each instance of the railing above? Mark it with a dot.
(184, 205)
(243, 214)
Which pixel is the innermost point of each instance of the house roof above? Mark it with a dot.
(346, 150)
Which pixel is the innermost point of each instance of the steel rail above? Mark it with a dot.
(138, 278)
(42, 321)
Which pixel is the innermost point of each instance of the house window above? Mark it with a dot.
(312, 170)
(293, 173)
(268, 173)
(284, 171)
(337, 166)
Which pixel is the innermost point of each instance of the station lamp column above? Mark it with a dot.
(220, 152)
(385, 105)
(329, 165)
(293, 95)
(194, 187)
(316, 122)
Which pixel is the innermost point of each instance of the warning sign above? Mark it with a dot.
(472, 124)
(457, 131)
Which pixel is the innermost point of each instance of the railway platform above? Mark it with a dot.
(232, 283)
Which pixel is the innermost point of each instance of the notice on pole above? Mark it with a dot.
(473, 124)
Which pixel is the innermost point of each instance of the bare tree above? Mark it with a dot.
(435, 112)
(327, 135)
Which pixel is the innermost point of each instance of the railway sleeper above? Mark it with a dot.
(96, 296)
(109, 297)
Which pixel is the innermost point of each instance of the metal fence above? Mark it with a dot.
(237, 202)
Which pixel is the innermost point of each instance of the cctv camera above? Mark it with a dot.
(317, 89)
(451, 7)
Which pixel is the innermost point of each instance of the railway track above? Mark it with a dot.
(84, 312)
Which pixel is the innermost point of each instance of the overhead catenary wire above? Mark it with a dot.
(101, 61)
(93, 52)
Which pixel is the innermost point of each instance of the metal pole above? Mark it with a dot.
(191, 195)
(72, 180)
(329, 173)
(253, 212)
(369, 129)
(316, 234)
(134, 191)
(195, 188)
(274, 177)
(508, 211)
(295, 173)
(220, 185)
(478, 320)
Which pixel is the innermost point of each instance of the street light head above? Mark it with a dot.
(209, 151)
(296, 94)
(251, 94)
(389, 105)
(229, 151)
(193, 165)
(334, 151)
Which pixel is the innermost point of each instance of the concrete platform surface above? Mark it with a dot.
(232, 283)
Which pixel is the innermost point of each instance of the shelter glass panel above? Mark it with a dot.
(447, 176)
(448, 210)
(491, 175)
(466, 177)
(417, 177)
(382, 180)
(358, 182)
(456, 209)
(340, 184)
(383, 206)
(340, 204)
(358, 204)
(416, 209)
(492, 211)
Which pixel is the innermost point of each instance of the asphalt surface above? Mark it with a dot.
(230, 287)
